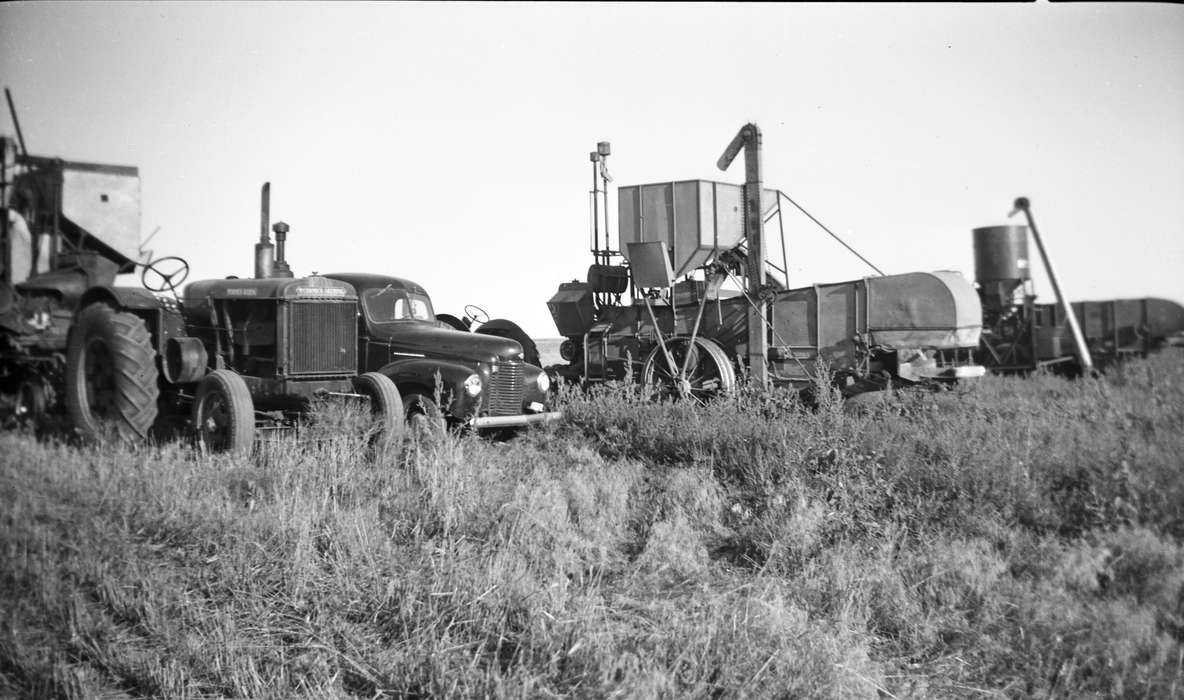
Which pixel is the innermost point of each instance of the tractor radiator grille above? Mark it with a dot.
(322, 337)
(505, 390)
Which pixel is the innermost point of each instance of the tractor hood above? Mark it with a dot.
(429, 340)
(198, 295)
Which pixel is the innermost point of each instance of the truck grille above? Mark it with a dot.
(505, 390)
(322, 337)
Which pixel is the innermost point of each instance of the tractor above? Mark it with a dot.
(224, 357)
(232, 354)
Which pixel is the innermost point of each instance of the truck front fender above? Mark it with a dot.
(421, 372)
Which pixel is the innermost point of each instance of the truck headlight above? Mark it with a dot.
(543, 382)
(473, 385)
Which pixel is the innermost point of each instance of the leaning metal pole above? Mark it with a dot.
(1087, 362)
(749, 138)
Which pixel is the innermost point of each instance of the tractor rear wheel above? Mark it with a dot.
(224, 414)
(424, 418)
(111, 377)
(386, 406)
(504, 328)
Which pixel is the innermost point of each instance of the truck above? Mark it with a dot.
(446, 376)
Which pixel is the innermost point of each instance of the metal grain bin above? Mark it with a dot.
(1001, 253)
(694, 218)
(104, 201)
(1001, 263)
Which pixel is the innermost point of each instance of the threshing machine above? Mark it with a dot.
(1020, 335)
(690, 298)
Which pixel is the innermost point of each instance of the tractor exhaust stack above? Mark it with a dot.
(264, 250)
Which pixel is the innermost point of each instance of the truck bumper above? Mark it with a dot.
(514, 421)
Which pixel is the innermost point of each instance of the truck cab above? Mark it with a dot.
(468, 379)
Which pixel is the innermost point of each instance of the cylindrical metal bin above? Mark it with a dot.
(1001, 253)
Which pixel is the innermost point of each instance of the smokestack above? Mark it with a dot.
(280, 268)
(264, 251)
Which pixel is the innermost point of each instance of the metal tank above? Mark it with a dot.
(695, 219)
(1001, 263)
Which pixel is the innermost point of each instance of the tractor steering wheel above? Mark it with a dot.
(169, 281)
(476, 313)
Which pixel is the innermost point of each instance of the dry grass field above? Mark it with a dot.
(1010, 538)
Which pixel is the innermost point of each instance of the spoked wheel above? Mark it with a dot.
(386, 407)
(224, 414)
(701, 370)
(424, 418)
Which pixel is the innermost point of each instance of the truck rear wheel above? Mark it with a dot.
(224, 414)
(111, 377)
(386, 406)
(424, 418)
(32, 401)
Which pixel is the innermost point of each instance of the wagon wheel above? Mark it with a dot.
(702, 370)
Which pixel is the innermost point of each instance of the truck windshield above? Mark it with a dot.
(390, 304)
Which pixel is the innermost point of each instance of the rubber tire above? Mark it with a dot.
(452, 322)
(238, 424)
(32, 402)
(120, 340)
(505, 328)
(424, 417)
(385, 405)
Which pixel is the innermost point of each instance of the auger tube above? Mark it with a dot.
(1087, 362)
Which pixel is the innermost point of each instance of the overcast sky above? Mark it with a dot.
(448, 143)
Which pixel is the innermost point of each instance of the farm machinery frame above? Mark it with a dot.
(693, 300)
(1021, 335)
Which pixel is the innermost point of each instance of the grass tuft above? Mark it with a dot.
(1012, 537)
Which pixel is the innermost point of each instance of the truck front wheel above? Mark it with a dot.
(424, 418)
(223, 414)
(111, 377)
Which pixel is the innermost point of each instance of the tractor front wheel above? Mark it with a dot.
(224, 414)
(111, 377)
(386, 406)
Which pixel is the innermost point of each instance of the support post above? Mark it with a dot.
(749, 138)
